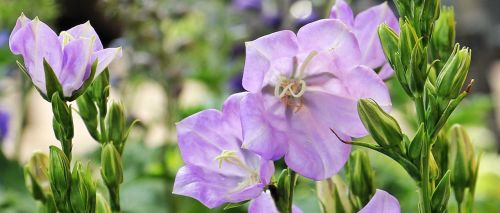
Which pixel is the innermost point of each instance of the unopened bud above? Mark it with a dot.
(36, 176)
(60, 177)
(404, 8)
(443, 37)
(88, 112)
(430, 13)
(83, 191)
(383, 127)
(111, 165)
(452, 77)
(116, 125)
(441, 195)
(63, 116)
(415, 149)
(102, 206)
(361, 177)
(407, 41)
(464, 161)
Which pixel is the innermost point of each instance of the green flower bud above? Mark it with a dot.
(83, 191)
(433, 167)
(441, 195)
(63, 116)
(464, 161)
(383, 127)
(440, 151)
(415, 149)
(116, 125)
(418, 68)
(102, 205)
(89, 114)
(404, 8)
(331, 196)
(361, 177)
(100, 90)
(452, 77)
(430, 13)
(407, 41)
(443, 37)
(111, 165)
(36, 176)
(60, 178)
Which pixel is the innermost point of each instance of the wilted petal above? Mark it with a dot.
(366, 30)
(382, 202)
(76, 63)
(332, 36)
(341, 10)
(36, 41)
(265, 203)
(314, 152)
(86, 30)
(260, 56)
(105, 57)
(262, 119)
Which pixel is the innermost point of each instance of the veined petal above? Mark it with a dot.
(85, 30)
(261, 53)
(264, 125)
(314, 152)
(366, 30)
(332, 36)
(105, 57)
(342, 11)
(35, 41)
(382, 202)
(76, 65)
(265, 203)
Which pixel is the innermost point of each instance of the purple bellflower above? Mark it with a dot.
(365, 27)
(301, 86)
(216, 169)
(70, 55)
(265, 203)
(382, 202)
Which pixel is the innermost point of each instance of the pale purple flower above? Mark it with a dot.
(265, 203)
(365, 26)
(70, 55)
(216, 169)
(301, 86)
(4, 124)
(382, 202)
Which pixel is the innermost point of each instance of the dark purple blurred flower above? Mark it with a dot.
(247, 4)
(235, 85)
(70, 54)
(365, 27)
(4, 37)
(4, 124)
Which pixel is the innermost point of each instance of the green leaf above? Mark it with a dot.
(234, 205)
(52, 83)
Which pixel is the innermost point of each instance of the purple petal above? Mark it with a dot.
(314, 152)
(382, 202)
(21, 22)
(265, 203)
(36, 41)
(366, 30)
(76, 63)
(365, 83)
(105, 57)
(341, 10)
(264, 127)
(386, 71)
(262, 52)
(333, 36)
(85, 30)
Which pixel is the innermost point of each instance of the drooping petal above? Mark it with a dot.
(35, 42)
(366, 30)
(341, 10)
(265, 203)
(382, 202)
(76, 63)
(261, 54)
(105, 57)
(85, 30)
(332, 36)
(314, 152)
(211, 188)
(264, 125)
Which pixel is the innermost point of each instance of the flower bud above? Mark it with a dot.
(83, 191)
(441, 195)
(464, 161)
(430, 13)
(36, 176)
(63, 116)
(116, 125)
(361, 177)
(111, 165)
(433, 167)
(415, 149)
(60, 177)
(102, 205)
(452, 77)
(88, 112)
(417, 68)
(440, 151)
(443, 37)
(404, 8)
(383, 128)
(100, 90)
(330, 195)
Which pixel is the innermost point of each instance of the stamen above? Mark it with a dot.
(306, 62)
(224, 155)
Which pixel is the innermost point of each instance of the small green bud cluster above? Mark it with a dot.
(360, 179)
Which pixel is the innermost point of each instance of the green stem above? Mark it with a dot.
(114, 197)
(293, 179)
(425, 184)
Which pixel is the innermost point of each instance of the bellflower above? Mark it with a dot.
(265, 203)
(382, 202)
(365, 26)
(70, 55)
(301, 86)
(216, 169)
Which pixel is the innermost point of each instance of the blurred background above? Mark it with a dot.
(182, 56)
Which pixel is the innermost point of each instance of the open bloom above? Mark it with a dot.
(70, 55)
(365, 28)
(301, 86)
(265, 203)
(217, 170)
(382, 202)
